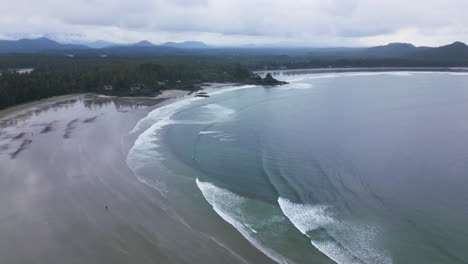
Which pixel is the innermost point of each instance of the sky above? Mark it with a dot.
(317, 23)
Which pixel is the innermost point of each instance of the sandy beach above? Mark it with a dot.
(67, 195)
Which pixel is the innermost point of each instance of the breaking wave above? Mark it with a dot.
(342, 242)
(229, 207)
(144, 155)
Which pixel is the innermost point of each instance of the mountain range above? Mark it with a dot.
(47, 45)
(456, 51)
(35, 45)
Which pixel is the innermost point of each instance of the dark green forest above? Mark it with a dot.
(140, 75)
(58, 75)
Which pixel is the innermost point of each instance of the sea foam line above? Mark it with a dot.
(170, 109)
(227, 205)
(208, 132)
(343, 242)
(144, 152)
(312, 76)
(162, 113)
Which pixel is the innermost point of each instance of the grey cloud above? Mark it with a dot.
(318, 22)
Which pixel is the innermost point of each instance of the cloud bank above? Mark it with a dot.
(223, 22)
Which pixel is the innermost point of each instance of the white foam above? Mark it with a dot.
(219, 108)
(297, 86)
(306, 217)
(442, 73)
(347, 243)
(377, 73)
(458, 73)
(227, 140)
(216, 112)
(227, 205)
(208, 132)
(312, 76)
(335, 253)
(145, 150)
(231, 89)
(105, 96)
(402, 73)
(162, 112)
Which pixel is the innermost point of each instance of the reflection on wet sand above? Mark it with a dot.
(70, 127)
(90, 120)
(121, 104)
(34, 121)
(22, 147)
(54, 192)
(48, 127)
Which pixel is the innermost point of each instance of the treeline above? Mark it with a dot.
(250, 59)
(120, 76)
(303, 63)
(144, 75)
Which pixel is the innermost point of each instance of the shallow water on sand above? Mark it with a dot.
(67, 194)
(334, 167)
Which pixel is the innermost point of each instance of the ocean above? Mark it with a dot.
(342, 168)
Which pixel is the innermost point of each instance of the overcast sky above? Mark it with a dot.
(233, 22)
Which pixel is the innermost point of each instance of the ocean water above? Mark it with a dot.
(331, 168)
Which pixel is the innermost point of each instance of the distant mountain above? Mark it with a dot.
(143, 43)
(453, 54)
(392, 50)
(456, 51)
(35, 45)
(187, 45)
(139, 50)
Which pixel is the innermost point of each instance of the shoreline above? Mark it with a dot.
(363, 69)
(68, 180)
(293, 210)
(79, 189)
(20, 109)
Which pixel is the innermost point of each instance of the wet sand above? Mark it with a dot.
(67, 195)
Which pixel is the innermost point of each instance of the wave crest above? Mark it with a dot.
(343, 242)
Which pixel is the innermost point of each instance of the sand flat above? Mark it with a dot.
(62, 163)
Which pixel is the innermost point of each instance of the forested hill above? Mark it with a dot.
(45, 45)
(454, 54)
(144, 68)
(35, 46)
(57, 75)
(457, 51)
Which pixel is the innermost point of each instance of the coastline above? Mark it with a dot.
(67, 193)
(163, 95)
(306, 217)
(151, 151)
(41, 103)
(24, 107)
(363, 69)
